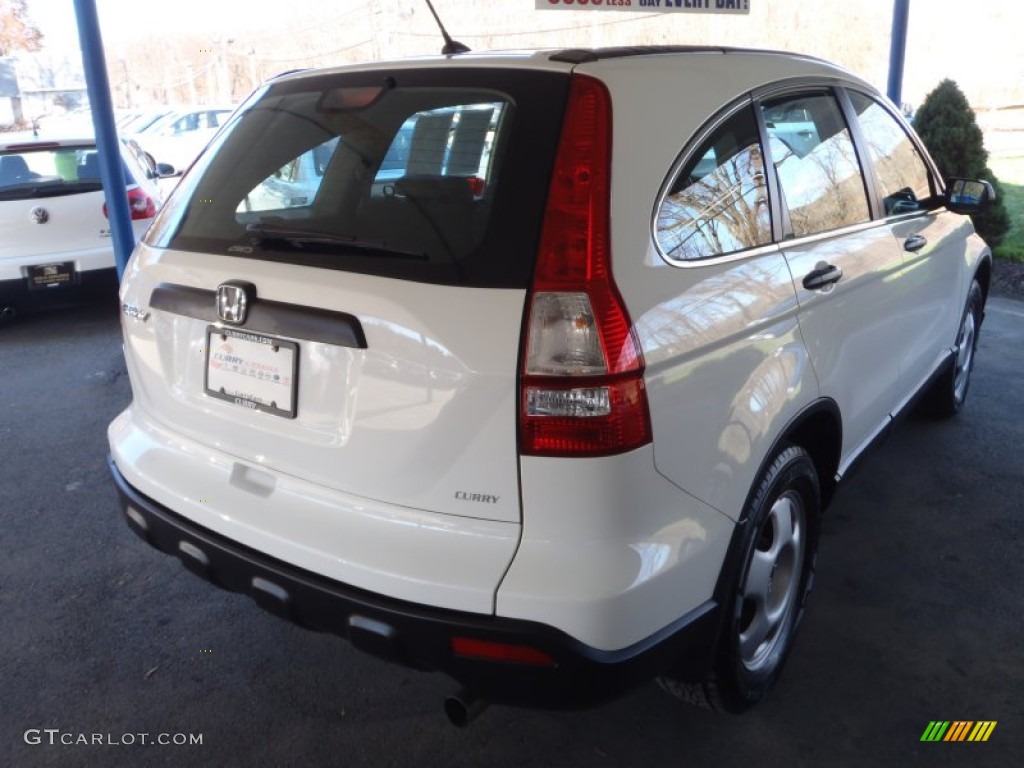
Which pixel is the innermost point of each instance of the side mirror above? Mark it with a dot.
(164, 170)
(968, 195)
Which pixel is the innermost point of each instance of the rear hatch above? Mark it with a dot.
(335, 291)
(51, 201)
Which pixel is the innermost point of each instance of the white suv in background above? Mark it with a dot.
(555, 405)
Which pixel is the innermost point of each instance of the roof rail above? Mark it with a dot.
(587, 55)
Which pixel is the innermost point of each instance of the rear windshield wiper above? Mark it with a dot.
(301, 238)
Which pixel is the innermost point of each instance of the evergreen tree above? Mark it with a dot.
(945, 122)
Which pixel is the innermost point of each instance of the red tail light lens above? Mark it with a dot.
(140, 205)
(486, 650)
(582, 391)
(476, 186)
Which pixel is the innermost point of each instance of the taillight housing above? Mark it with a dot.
(140, 205)
(582, 388)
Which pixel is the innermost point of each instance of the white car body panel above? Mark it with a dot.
(386, 423)
(702, 337)
(356, 541)
(76, 231)
(611, 552)
(932, 313)
(862, 372)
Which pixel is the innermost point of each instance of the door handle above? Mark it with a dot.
(823, 276)
(915, 243)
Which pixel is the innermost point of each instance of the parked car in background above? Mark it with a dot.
(141, 119)
(75, 122)
(55, 241)
(541, 369)
(180, 135)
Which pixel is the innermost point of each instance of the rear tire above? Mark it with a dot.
(767, 597)
(949, 392)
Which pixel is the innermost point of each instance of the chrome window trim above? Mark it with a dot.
(751, 100)
(796, 242)
(722, 116)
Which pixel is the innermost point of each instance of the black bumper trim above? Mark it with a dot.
(420, 636)
(273, 317)
(88, 284)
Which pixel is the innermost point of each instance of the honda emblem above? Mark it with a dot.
(233, 301)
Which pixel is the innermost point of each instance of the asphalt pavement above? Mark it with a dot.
(108, 647)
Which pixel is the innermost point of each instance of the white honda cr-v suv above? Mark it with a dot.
(554, 401)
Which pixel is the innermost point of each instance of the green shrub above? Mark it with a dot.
(945, 122)
(1010, 253)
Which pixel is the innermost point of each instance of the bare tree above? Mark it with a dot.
(17, 32)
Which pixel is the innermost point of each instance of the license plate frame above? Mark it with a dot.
(243, 368)
(45, 277)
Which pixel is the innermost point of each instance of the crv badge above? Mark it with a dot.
(233, 301)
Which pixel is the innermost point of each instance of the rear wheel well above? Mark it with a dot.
(820, 434)
(984, 277)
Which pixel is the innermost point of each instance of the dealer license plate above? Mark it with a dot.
(252, 370)
(52, 275)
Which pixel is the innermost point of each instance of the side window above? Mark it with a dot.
(817, 168)
(904, 183)
(441, 143)
(293, 185)
(719, 202)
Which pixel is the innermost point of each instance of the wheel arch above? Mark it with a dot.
(983, 274)
(819, 431)
(816, 429)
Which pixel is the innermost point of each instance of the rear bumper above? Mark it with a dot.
(420, 636)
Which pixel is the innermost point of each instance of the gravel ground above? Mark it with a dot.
(1008, 278)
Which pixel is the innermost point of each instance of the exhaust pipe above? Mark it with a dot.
(463, 708)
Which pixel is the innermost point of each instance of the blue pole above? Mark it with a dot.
(898, 50)
(111, 166)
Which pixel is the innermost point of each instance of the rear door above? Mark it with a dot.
(843, 264)
(377, 353)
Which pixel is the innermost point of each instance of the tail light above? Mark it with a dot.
(476, 186)
(582, 388)
(140, 205)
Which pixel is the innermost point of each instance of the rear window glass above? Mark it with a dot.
(50, 172)
(417, 176)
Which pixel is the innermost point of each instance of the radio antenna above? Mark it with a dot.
(450, 46)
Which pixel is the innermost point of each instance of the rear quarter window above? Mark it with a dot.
(718, 203)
